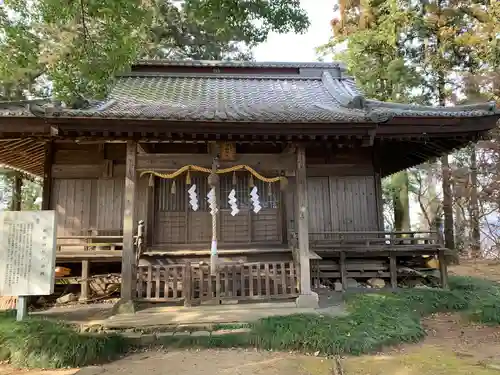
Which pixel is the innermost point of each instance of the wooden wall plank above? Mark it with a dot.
(141, 209)
(318, 197)
(234, 229)
(353, 203)
(110, 193)
(72, 199)
(265, 226)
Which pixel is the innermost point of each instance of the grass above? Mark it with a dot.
(374, 321)
(40, 343)
(378, 320)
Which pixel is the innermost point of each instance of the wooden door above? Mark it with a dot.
(177, 223)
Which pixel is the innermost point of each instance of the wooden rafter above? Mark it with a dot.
(23, 154)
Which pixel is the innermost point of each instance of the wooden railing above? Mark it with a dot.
(371, 244)
(89, 243)
(374, 240)
(100, 240)
(193, 283)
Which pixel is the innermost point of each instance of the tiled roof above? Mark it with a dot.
(219, 98)
(319, 93)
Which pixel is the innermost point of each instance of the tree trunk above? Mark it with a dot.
(449, 239)
(474, 207)
(433, 204)
(461, 226)
(401, 202)
(17, 186)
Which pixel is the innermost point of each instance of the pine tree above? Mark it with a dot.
(373, 31)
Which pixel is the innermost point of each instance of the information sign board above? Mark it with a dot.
(27, 253)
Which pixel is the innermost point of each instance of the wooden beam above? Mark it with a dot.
(303, 222)
(47, 176)
(87, 170)
(146, 148)
(170, 162)
(128, 252)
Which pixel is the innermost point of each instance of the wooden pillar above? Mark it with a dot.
(47, 176)
(187, 284)
(17, 187)
(307, 298)
(84, 295)
(343, 270)
(393, 269)
(128, 253)
(443, 268)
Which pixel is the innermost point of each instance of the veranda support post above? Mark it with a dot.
(307, 297)
(128, 253)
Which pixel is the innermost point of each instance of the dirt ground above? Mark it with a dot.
(479, 268)
(215, 362)
(452, 347)
(205, 362)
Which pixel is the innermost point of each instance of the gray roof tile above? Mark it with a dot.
(327, 96)
(220, 98)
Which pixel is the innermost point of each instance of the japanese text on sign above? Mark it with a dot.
(27, 252)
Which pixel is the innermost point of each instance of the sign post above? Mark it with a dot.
(27, 255)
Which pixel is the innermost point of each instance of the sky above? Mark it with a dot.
(300, 48)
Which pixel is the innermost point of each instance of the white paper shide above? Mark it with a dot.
(233, 202)
(254, 197)
(193, 197)
(27, 253)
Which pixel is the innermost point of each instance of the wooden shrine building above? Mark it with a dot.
(274, 168)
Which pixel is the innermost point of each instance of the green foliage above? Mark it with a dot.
(221, 29)
(31, 190)
(45, 344)
(79, 46)
(418, 51)
(372, 32)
